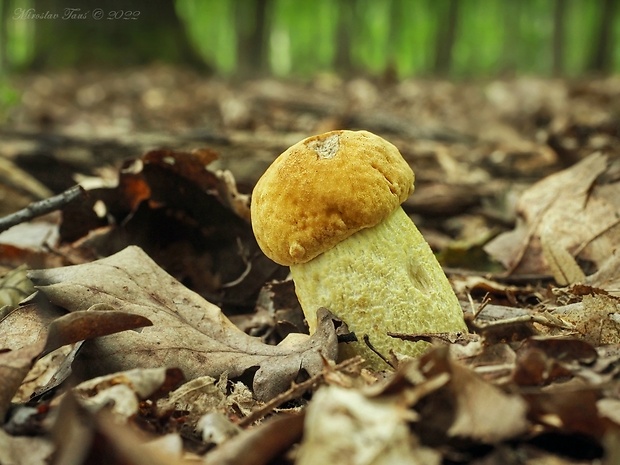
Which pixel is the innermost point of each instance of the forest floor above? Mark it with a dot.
(113, 361)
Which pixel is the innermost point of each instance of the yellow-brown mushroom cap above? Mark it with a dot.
(324, 189)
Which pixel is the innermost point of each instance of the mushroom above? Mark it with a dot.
(329, 208)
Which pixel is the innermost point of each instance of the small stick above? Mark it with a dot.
(41, 208)
(545, 319)
(294, 391)
(379, 354)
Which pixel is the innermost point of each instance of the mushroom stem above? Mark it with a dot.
(381, 279)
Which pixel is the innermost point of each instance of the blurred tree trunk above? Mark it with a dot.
(511, 13)
(252, 33)
(602, 54)
(127, 33)
(396, 25)
(346, 15)
(4, 36)
(559, 14)
(445, 38)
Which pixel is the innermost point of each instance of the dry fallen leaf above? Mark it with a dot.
(120, 393)
(346, 426)
(14, 366)
(204, 235)
(24, 450)
(563, 266)
(188, 332)
(37, 328)
(596, 318)
(18, 188)
(14, 287)
(261, 444)
(81, 437)
(542, 360)
(471, 407)
(577, 209)
(205, 395)
(608, 276)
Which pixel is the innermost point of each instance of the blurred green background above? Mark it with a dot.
(299, 38)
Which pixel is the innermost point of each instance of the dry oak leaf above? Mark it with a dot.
(576, 210)
(34, 329)
(188, 332)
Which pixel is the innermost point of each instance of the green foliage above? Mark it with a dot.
(480, 38)
(412, 36)
(302, 38)
(9, 97)
(18, 49)
(373, 22)
(581, 15)
(211, 26)
(491, 36)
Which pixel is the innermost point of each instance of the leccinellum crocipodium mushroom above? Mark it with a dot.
(329, 207)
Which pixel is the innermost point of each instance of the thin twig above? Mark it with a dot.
(295, 391)
(391, 364)
(41, 207)
(545, 319)
(445, 338)
(485, 301)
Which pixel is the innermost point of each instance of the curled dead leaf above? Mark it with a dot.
(37, 328)
(366, 430)
(122, 392)
(576, 210)
(596, 318)
(259, 445)
(470, 407)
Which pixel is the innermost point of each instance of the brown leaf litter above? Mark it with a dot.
(187, 332)
(534, 382)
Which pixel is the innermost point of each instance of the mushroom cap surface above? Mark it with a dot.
(324, 189)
